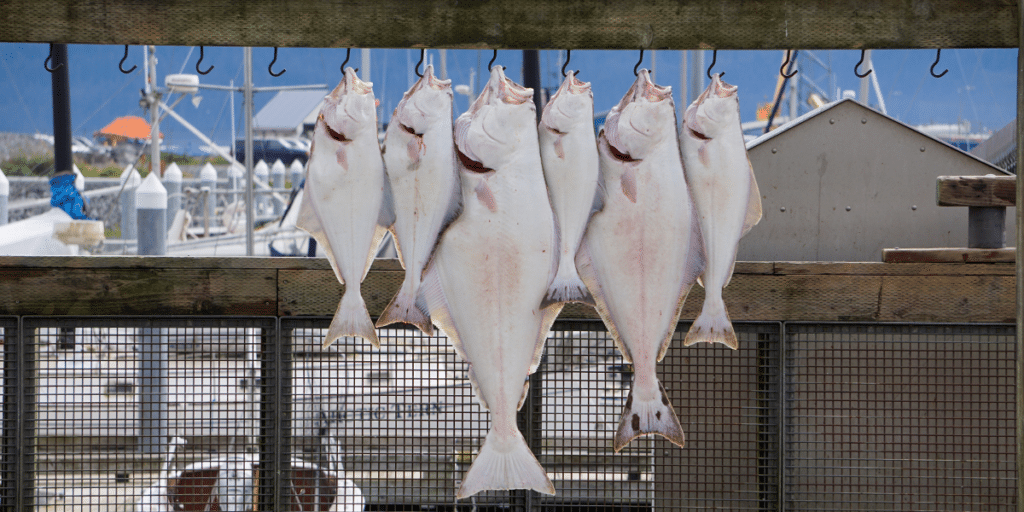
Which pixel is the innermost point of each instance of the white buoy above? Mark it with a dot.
(261, 174)
(130, 180)
(208, 182)
(277, 178)
(79, 178)
(151, 203)
(172, 183)
(295, 172)
(236, 177)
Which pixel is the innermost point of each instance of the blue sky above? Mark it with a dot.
(980, 86)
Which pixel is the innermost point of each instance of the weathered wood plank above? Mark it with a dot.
(582, 24)
(783, 268)
(976, 190)
(317, 292)
(949, 255)
(105, 291)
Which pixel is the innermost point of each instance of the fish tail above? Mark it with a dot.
(567, 286)
(403, 309)
(505, 464)
(655, 416)
(351, 319)
(712, 326)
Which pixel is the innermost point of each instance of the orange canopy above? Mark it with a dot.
(128, 127)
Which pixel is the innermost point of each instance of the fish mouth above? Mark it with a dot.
(470, 164)
(509, 91)
(695, 134)
(409, 129)
(720, 88)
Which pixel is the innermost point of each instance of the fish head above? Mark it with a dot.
(571, 105)
(641, 121)
(427, 103)
(714, 111)
(496, 125)
(350, 110)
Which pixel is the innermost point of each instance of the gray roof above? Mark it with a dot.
(1000, 148)
(288, 109)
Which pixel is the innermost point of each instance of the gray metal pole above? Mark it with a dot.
(277, 178)
(250, 210)
(5, 192)
(152, 390)
(172, 183)
(1019, 261)
(151, 202)
(154, 115)
(130, 179)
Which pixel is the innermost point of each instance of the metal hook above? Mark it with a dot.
(348, 53)
(938, 53)
(635, 73)
(782, 70)
(46, 63)
(120, 65)
(714, 59)
(567, 57)
(200, 61)
(492, 59)
(861, 61)
(271, 66)
(423, 51)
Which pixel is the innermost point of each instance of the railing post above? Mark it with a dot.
(275, 417)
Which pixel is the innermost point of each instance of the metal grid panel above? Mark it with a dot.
(900, 417)
(10, 447)
(728, 403)
(108, 394)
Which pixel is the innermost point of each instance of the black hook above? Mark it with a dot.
(635, 73)
(46, 63)
(936, 63)
(200, 61)
(120, 65)
(423, 51)
(567, 57)
(714, 59)
(861, 61)
(782, 70)
(271, 66)
(492, 59)
(348, 53)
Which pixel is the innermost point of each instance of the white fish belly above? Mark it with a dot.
(347, 201)
(422, 190)
(571, 173)
(494, 269)
(639, 255)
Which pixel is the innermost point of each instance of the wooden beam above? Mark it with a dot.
(950, 255)
(976, 190)
(522, 24)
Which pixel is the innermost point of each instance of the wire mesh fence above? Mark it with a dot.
(249, 413)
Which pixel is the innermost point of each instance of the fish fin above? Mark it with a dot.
(309, 221)
(548, 316)
(474, 383)
(567, 288)
(598, 203)
(648, 417)
(695, 263)
(585, 266)
(712, 325)
(486, 197)
(753, 204)
(502, 467)
(386, 217)
(404, 308)
(453, 213)
(628, 182)
(351, 319)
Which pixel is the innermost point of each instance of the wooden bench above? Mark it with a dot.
(986, 199)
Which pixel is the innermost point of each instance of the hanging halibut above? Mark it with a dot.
(347, 207)
(419, 160)
(489, 274)
(726, 196)
(568, 149)
(641, 253)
